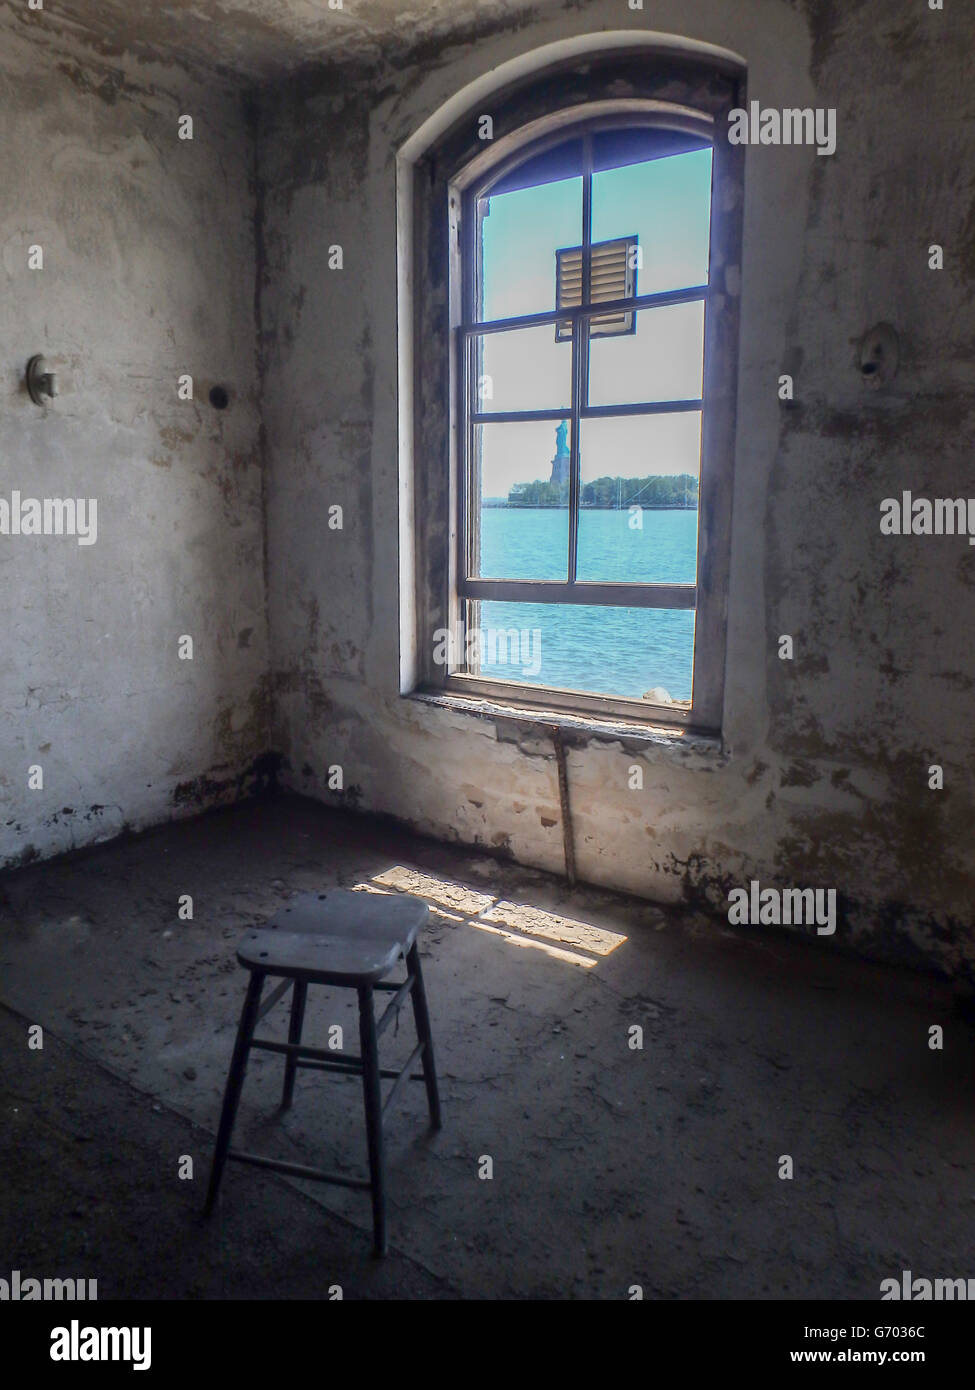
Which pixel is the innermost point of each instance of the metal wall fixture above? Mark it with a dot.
(40, 383)
(879, 354)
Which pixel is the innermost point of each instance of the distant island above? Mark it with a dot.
(676, 491)
(667, 490)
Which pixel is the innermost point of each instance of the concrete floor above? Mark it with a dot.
(612, 1166)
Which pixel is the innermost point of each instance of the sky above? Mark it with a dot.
(665, 203)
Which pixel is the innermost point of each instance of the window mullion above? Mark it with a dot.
(578, 328)
(472, 465)
(580, 362)
(587, 220)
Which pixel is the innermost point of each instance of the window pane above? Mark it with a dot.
(615, 146)
(552, 165)
(525, 369)
(626, 652)
(524, 497)
(666, 204)
(663, 360)
(638, 500)
(520, 234)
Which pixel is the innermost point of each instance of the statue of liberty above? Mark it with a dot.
(560, 464)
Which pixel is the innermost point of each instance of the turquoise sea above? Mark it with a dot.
(609, 651)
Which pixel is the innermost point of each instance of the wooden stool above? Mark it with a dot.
(339, 938)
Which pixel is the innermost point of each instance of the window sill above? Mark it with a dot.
(577, 729)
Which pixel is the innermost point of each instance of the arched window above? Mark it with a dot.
(592, 326)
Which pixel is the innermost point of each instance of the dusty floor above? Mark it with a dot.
(613, 1166)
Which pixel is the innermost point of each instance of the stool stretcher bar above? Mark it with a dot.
(277, 993)
(320, 1059)
(394, 1005)
(298, 1170)
(414, 1056)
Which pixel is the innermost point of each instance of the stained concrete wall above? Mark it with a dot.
(823, 780)
(148, 273)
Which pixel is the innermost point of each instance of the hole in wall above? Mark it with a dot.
(219, 397)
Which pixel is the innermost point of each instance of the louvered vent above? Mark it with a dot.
(613, 277)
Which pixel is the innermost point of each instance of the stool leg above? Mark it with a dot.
(298, 996)
(372, 1097)
(422, 1016)
(235, 1083)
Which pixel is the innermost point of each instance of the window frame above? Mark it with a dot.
(699, 93)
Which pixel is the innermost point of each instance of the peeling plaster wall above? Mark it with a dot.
(823, 779)
(264, 38)
(148, 246)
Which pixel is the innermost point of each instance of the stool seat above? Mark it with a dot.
(339, 938)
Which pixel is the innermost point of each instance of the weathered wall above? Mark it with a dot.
(148, 272)
(824, 780)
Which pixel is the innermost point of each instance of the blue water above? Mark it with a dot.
(607, 651)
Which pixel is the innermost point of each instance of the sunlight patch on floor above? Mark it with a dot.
(517, 923)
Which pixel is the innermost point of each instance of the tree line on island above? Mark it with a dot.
(670, 490)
